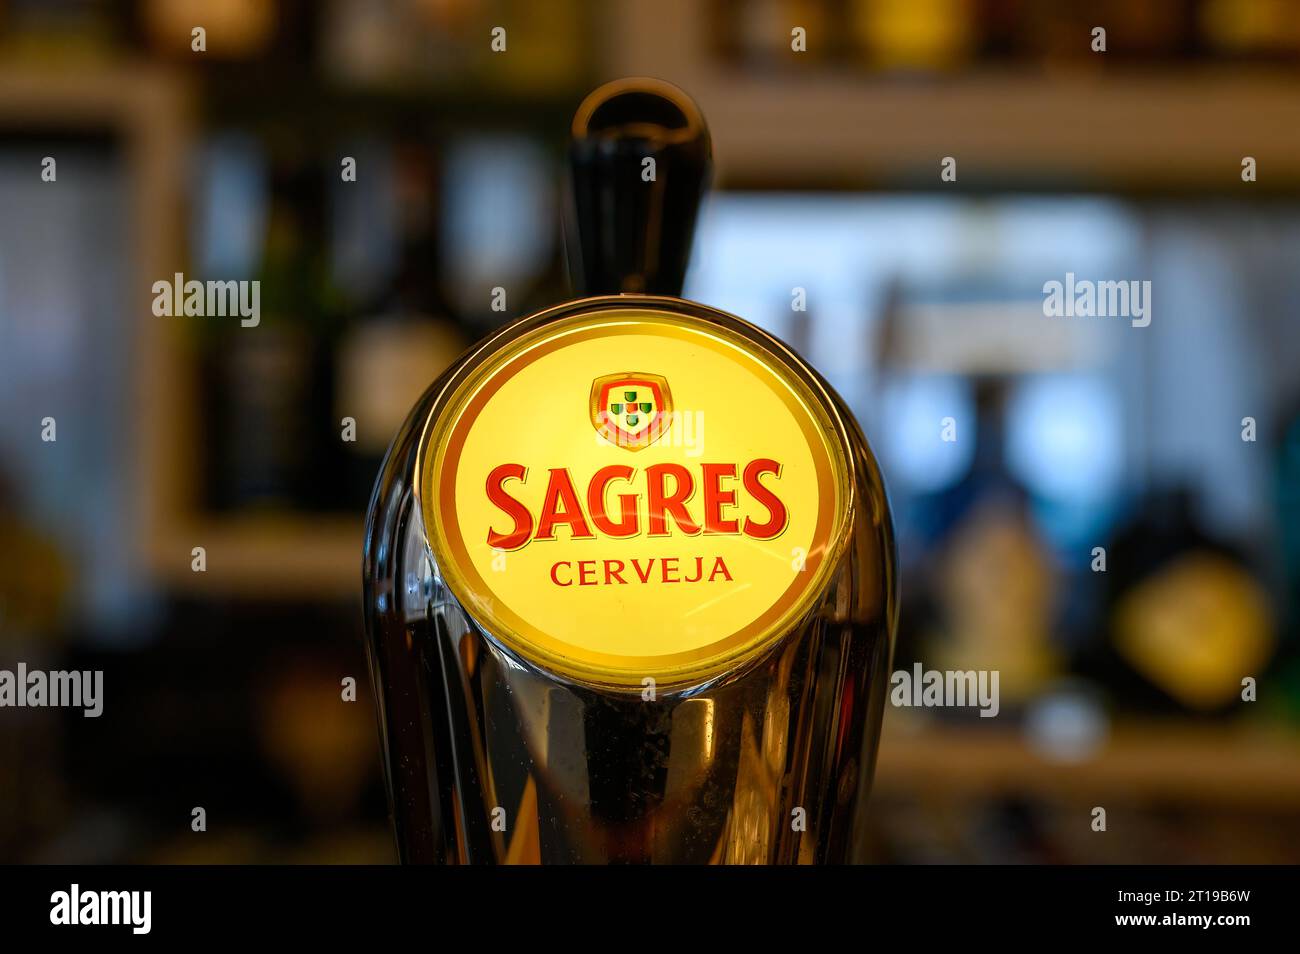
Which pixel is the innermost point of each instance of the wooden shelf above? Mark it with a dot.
(272, 557)
(1236, 766)
(1105, 128)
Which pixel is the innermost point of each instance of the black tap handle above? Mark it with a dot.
(635, 220)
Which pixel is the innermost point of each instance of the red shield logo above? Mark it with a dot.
(632, 409)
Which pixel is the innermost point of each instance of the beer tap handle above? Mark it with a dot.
(640, 162)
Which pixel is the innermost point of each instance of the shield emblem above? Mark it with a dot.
(632, 409)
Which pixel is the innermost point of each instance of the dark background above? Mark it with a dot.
(223, 688)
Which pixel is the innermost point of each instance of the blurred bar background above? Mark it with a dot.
(924, 298)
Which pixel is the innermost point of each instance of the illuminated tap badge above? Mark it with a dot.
(682, 538)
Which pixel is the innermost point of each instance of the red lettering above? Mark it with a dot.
(665, 505)
(699, 571)
(630, 525)
(523, 520)
(777, 515)
(661, 569)
(561, 506)
(660, 504)
(715, 498)
(665, 569)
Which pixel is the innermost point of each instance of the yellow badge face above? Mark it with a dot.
(630, 492)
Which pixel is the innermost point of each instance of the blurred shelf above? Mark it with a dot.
(1170, 762)
(280, 557)
(1137, 132)
(146, 101)
(1100, 127)
(276, 98)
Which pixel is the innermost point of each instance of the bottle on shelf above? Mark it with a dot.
(992, 585)
(408, 338)
(270, 382)
(1187, 619)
